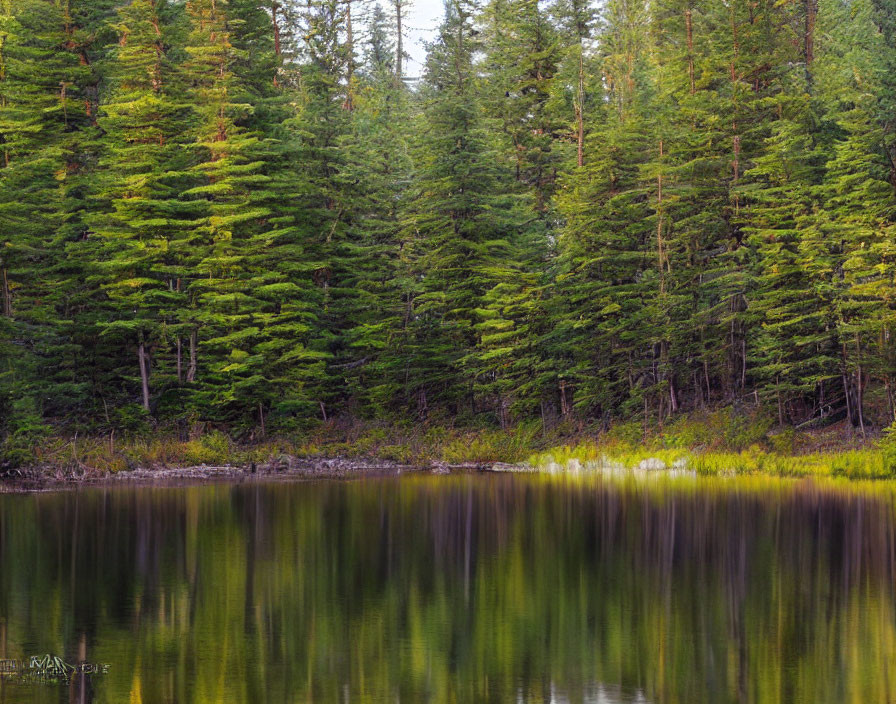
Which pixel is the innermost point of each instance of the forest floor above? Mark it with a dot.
(718, 443)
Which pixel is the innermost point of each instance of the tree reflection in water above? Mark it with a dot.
(470, 588)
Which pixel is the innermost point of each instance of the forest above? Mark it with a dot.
(249, 214)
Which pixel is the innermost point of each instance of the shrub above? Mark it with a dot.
(25, 428)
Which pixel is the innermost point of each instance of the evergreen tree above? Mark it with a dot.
(236, 212)
(460, 228)
(249, 319)
(857, 203)
(372, 181)
(606, 276)
(795, 356)
(143, 171)
(576, 21)
(48, 107)
(523, 52)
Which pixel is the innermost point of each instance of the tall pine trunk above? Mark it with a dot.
(191, 371)
(7, 298)
(350, 48)
(275, 21)
(580, 110)
(399, 46)
(144, 371)
(689, 26)
(180, 361)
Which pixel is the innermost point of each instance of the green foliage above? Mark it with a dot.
(723, 428)
(887, 446)
(232, 213)
(491, 446)
(24, 429)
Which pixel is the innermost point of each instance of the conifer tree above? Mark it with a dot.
(794, 358)
(240, 309)
(523, 52)
(857, 200)
(606, 279)
(142, 171)
(576, 21)
(48, 108)
(373, 180)
(237, 212)
(324, 201)
(460, 230)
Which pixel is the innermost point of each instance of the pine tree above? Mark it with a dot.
(858, 203)
(795, 357)
(241, 311)
(142, 173)
(606, 277)
(461, 228)
(379, 63)
(372, 181)
(523, 53)
(48, 107)
(694, 165)
(576, 21)
(324, 202)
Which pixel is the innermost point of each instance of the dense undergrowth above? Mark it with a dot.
(718, 443)
(724, 444)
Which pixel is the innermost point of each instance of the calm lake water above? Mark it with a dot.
(453, 589)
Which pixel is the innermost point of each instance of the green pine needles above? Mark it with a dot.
(241, 214)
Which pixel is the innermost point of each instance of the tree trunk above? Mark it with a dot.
(847, 394)
(191, 371)
(646, 417)
(399, 46)
(350, 47)
(180, 361)
(689, 24)
(852, 383)
(780, 405)
(580, 110)
(673, 394)
(809, 34)
(144, 371)
(891, 402)
(860, 391)
(860, 402)
(275, 7)
(706, 379)
(422, 404)
(735, 45)
(7, 298)
(659, 226)
(698, 388)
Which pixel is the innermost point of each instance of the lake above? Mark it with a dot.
(469, 588)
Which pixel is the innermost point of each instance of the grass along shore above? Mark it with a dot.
(713, 444)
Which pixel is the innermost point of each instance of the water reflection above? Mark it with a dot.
(467, 589)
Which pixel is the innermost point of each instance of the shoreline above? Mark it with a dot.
(48, 478)
(52, 478)
(716, 444)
